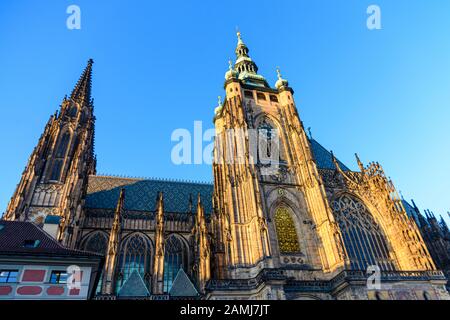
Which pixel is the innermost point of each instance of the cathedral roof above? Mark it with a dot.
(179, 196)
(323, 157)
(140, 194)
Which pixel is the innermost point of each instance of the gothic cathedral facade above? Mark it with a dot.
(310, 229)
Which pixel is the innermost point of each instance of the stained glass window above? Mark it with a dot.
(363, 238)
(96, 242)
(174, 259)
(134, 255)
(286, 233)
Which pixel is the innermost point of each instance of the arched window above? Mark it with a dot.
(56, 170)
(363, 238)
(175, 257)
(62, 146)
(60, 154)
(98, 243)
(135, 254)
(73, 111)
(286, 233)
(270, 147)
(265, 140)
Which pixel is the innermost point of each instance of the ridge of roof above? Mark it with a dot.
(158, 179)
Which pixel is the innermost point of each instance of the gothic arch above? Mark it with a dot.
(264, 119)
(62, 147)
(95, 241)
(307, 238)
(363, 235)
(135, 254)
(176, 256)
(286, 231)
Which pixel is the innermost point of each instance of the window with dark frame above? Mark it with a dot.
(261, 96)
(8, 276)
(273, 98)
(248, 94)
(58, 277)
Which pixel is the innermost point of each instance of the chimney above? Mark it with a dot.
(51, 225)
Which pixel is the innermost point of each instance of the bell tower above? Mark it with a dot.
(267, 214)
(56, 175)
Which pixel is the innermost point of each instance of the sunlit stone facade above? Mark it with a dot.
(311, 229)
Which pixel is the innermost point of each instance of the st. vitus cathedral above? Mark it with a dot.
(313, 229)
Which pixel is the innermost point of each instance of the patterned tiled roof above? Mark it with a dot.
(323, 157)
(13, 235)
(140, 194)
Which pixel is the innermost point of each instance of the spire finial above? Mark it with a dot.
(310, 133)
(230, 65)
(280, 82)
(219, 100)
(239, 36)
(360, 164)
(278, 73)
(82, 89)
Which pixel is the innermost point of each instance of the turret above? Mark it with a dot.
(158, 264)
(113, 247)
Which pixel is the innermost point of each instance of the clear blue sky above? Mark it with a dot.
(159, 66)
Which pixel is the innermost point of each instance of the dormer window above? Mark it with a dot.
(31, 244)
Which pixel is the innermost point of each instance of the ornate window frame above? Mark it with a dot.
(364, 239)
